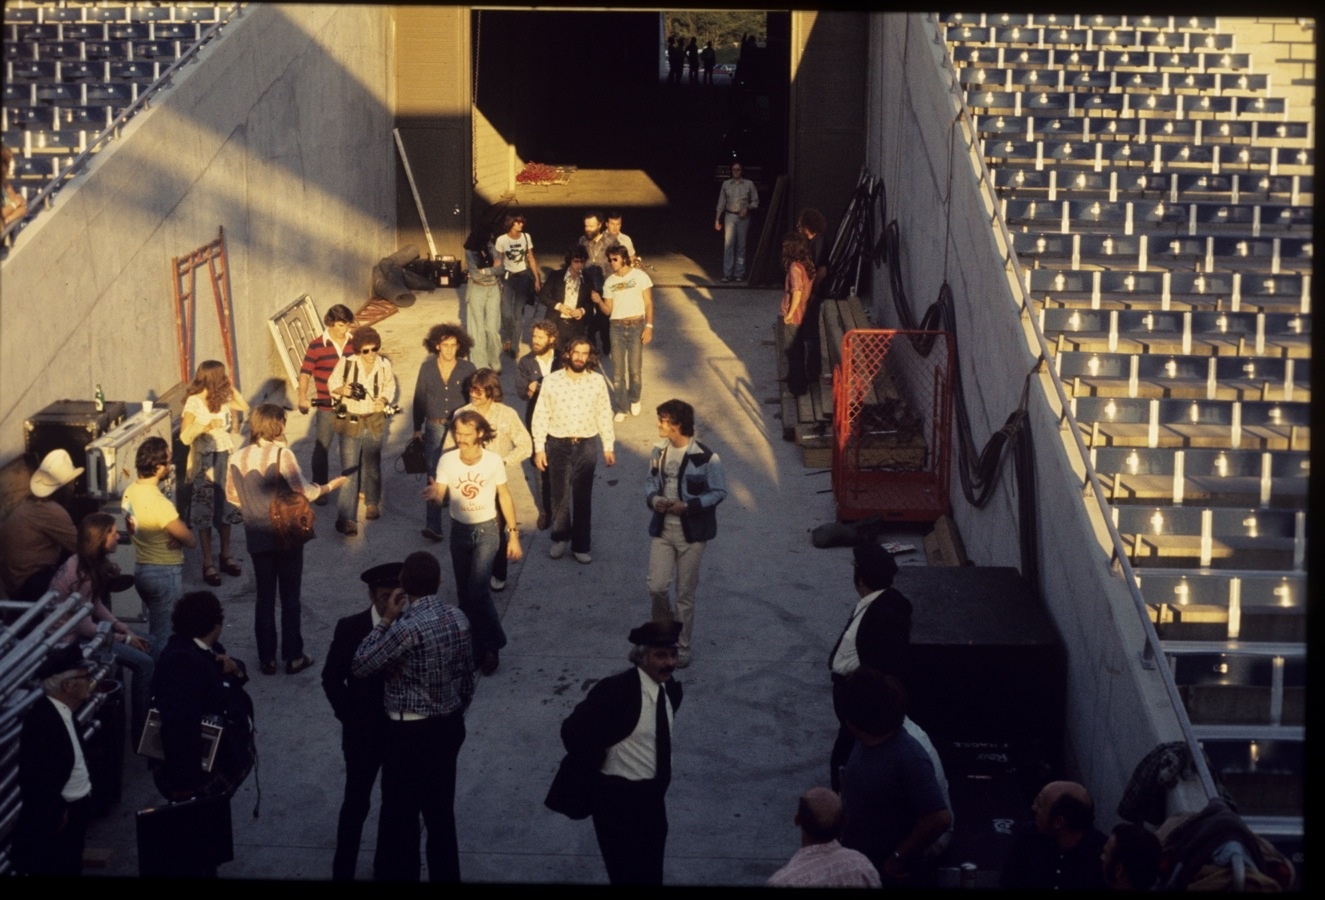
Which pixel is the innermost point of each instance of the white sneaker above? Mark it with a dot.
(497, 584)
(583, 558)
(619, 417)
(557, 550)
(634, 409)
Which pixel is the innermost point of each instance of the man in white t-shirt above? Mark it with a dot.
(522, 281)
(476, 480)
(628, 297)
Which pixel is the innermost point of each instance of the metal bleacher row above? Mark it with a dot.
(70, 69)
(1159, 199)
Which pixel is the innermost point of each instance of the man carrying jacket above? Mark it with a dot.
(684, 487)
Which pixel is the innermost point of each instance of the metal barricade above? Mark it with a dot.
(892, 425)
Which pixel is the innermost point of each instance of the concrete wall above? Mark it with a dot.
(1117, 710)
(281, 134)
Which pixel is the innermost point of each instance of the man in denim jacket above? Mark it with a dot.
(684, 487)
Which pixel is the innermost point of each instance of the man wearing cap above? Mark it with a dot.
(53, 779)
(357, 702)
(422, 644)
(877, 635)
(39, 534)
(624, 729)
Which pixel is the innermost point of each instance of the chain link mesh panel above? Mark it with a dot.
(892, 424)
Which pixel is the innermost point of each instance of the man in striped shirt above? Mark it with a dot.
(324, 352)
(573, 408)
(423, 645)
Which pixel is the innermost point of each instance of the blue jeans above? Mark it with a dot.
(734, 230)
(283, 570)
(141, 666)
(627, 360)
(483, 321)
(365, 451)
(570, 467)
(473, 550)
(159, 586)
(434, 435)
(323, 434)
(517, 292)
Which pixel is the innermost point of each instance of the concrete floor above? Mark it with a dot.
(757, 723)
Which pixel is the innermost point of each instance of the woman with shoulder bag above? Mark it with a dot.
(261, 473)
(364, 390)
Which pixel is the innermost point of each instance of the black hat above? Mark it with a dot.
(385, 575)
(658, 633)
(63, 659)
(874, 565)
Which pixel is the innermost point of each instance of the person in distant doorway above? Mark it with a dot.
(541, 361)
(483, 298)
(822, 862)
(324, 352)
(358, 705)
(692, 60)
(522, 281)
(684, 487)
(737, 198)
(708, 57)
(676, 59)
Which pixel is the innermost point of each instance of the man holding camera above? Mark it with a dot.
(364, 390)
(324, 354)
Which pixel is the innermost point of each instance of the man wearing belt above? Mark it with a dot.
(628, 298)
(424, 647)
(735, 201)
(321, 357)
(620, 737)
(572, 410)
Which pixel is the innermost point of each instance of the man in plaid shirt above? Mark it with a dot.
(423, 645)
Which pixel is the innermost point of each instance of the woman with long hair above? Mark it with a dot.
(798, 265)
(364, 389)
(512, 443)
(257, 474)
(89, 573)
(209, 428)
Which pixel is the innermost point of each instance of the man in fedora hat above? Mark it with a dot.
(358, 704)
(53, 778)
(39, 534)
(622, 732)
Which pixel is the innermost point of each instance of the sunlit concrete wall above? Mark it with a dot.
(1117, 710)
(281, 134)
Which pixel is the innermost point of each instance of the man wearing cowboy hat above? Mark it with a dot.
(619, 741)
(39, 534)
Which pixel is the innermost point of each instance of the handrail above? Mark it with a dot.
(46, 195)
(1152, 642)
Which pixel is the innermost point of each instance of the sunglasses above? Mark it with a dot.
(366, 350)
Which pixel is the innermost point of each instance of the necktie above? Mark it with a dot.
(664, 739)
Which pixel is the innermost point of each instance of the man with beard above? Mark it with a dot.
(573, 409)
(540, 362)
(596, 241)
